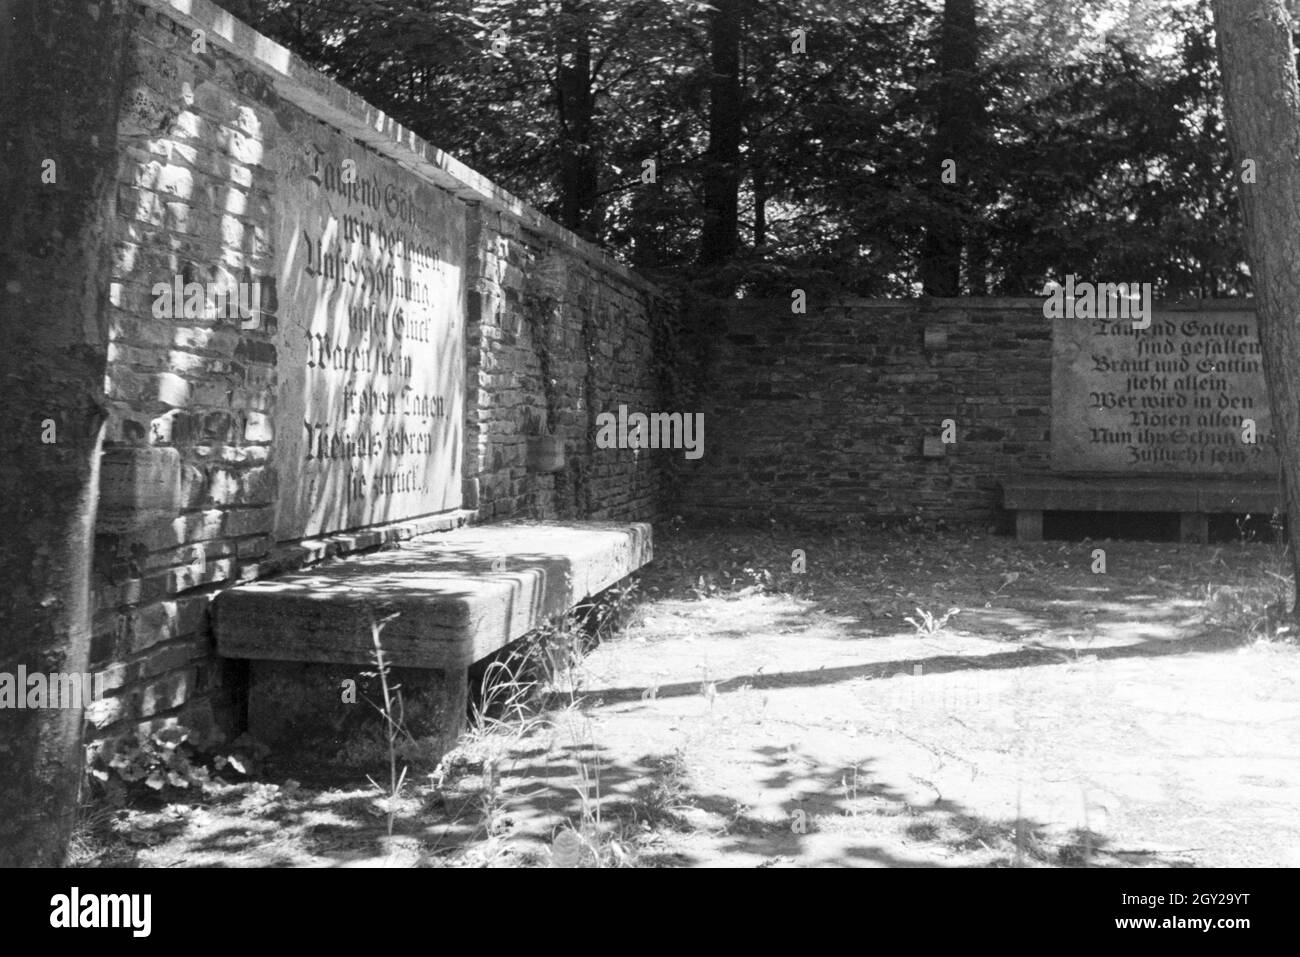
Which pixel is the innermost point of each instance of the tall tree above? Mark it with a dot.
(958, 112)
(1101, 148)
(61, 76)
(1262, 105)
(721, 179)
(576, 107)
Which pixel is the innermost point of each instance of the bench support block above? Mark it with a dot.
(1193, 527)
(330, 713)
(1029, 525)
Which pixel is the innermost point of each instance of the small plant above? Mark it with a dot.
(92, 834)
(590, 842)
(603, 615)
(706, 587)
(708, 688)
(666, 798)
(507, 696)
(501, 715)
(393, 725)
(156, 759)
(850, 787)
(928, 625)
(536, 686)
(557, 655)
(166, 761)
(1258, 606)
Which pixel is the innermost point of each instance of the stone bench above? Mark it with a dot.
(456, 597)
(1193, 498)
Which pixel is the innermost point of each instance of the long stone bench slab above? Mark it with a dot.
(456, 598)
(1194, 498)
(454, 607)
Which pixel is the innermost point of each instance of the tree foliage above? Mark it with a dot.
(1090, 131)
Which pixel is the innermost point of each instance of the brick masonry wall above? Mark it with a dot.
(552, 342)
(188, 484)
(822, 416)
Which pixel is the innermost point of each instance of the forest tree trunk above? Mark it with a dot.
(721, 180)
(958, 115)
(577, 114)
(1262, 109)
(61, 77)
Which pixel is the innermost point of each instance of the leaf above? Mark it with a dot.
(156, 780)
(619, 854)
(171, 737)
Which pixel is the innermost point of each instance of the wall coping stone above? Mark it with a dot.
(992, 302)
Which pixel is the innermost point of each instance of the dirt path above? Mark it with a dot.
(753, 715)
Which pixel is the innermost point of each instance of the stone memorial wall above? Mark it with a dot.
(840, 414)
(325, 336)
(370, 270)
(1185, 395)
(825, 417)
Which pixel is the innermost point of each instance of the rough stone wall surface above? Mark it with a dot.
(189, 481)
(823, 416)
(552, 343)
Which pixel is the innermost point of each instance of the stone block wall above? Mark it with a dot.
(824, 416)
(553, 341)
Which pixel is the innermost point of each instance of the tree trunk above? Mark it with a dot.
(958, 110)
(577, 110)
(647, 208)
(1262, 110)
(722, 162)
(61, 75)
